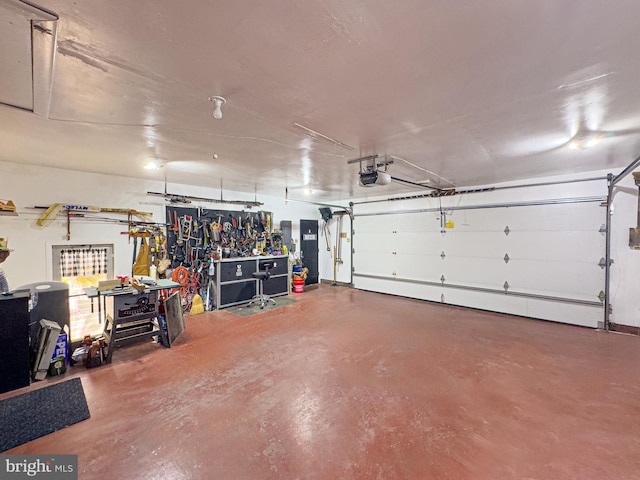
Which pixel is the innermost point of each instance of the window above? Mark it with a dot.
(82, 266)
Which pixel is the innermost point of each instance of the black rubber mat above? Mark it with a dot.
(40, 412)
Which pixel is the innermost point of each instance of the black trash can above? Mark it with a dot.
(49, 300)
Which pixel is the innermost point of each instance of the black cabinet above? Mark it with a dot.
(237, 270)
(238, 292)
(280, 265)
(14, 342)
(276, 286)
(235, 283)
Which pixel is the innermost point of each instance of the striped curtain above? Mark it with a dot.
(83, 262)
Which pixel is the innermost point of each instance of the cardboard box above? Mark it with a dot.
(58, 366)
(60, 356)
(62, 348)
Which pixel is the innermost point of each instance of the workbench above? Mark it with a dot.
(235, 284)
(135, 315)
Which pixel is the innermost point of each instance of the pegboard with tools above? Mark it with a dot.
(192, 233)
(195, 236)
(238, 234)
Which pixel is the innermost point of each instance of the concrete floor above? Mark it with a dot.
(346, 384)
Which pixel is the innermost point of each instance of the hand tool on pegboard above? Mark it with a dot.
(216, 228)
(175, 222)
(205, 233)
(187, 226)
(177, 255)
(180, 239)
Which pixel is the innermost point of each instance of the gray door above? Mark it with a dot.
(309, 248)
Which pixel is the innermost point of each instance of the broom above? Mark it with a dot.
(196, 305)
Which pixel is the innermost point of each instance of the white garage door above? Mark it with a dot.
(542, 261)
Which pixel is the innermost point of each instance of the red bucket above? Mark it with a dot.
(298, 285)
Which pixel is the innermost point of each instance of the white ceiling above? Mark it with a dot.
(471, 92)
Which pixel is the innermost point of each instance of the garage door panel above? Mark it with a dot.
(551, 251)
(363, 242)
(582, 315)
(411, 222)
(374, 263)
(555, 278)
(417, 266)
(559, 217)
(485, 301)
(403, 289)
(568, 246)
(484, 272)
(414, 241)
(373, 225)
(471, 244)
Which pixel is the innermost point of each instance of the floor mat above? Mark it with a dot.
(243, 311)
(40, 412)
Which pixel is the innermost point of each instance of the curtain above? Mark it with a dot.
(83, 262)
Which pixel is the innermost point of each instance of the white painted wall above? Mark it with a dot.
(326, 257)
(29, 185)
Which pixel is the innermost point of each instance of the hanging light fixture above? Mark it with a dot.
(218, 102)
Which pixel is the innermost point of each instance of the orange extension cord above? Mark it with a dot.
(182, 275)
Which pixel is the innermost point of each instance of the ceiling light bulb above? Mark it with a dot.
(218, 101)
(151, 165)
(592, 142)
(584, 142)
